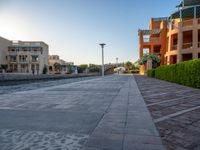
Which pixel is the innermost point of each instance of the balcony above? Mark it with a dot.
(12, 53)
(152, 39)
(155, 39)
(35, 60)
(35, 53)
(186, 45)
(198, 44)
(198, 21)
(187, 23)
(174, 26)
(174, 47)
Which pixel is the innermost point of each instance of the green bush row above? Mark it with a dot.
(185, 73)
(151, 73)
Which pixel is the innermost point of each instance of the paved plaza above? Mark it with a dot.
(175, 110)
(96, 114)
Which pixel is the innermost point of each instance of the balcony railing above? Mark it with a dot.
(13, 60)
(174, 26)
(174, 47)
(35, 60)
(198, 21)
(146, 40)
(13, 53)
(23, 61)
(187, 23)
(198, 44)
(187, 45)
(154, 39)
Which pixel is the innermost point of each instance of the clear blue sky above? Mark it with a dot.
(74, 28)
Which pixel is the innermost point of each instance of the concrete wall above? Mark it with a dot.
(26, 77)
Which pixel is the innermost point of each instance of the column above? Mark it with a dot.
(195, 39)
(179, 46)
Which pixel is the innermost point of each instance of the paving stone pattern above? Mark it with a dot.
(98, 114)
(180, 130)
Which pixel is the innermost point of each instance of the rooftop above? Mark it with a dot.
(185, 3)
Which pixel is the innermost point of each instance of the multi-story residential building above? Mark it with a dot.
(4, 43)
(64, 67)
(25, 56)
(175, 38)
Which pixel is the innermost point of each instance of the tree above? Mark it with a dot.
(57, 66)
(50, 68)
(155, 60)
(69, 68)
(82, 68)
(4, 67)
(128, 65)
(44, 70)
(94, 68)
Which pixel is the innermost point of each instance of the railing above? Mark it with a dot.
(12, 53)
(35, 52)
(146, 40)
(23, 61)
(183, 24)
(187, 23)
(174, 26)
(198, 21)
(12, 60)
(198, 44)
(174, 47)
(154, 39)
(187, 45)
(35, 60)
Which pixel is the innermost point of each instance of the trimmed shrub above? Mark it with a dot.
(151, 73)
(185, 73)
(135, 71)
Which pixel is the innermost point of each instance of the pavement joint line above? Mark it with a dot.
(175, 114)
(127, 108)
(177, 92)
(155, 95)
(175, 99)
(106, 111)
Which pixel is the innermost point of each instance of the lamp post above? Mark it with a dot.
(117, 64)
(117, 61)
(102, 46)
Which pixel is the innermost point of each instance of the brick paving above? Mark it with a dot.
(175, 110)
(98, 114)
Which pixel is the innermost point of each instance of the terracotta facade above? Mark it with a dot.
(175, 38)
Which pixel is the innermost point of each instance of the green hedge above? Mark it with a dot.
(185, 73)
(151, 73)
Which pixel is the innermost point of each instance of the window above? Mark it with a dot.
(186, 57)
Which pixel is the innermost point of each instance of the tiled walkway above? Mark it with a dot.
(98, 114)
(175, 110)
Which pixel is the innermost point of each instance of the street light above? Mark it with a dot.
(102, 46)
(117, 65)
(117, 61)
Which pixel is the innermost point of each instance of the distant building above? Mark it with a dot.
(174, 38)
(24, 56)
(4, 44)
(59, 66)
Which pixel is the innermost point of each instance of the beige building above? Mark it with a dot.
(24, 56)
(63, 66)
(4, 44)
